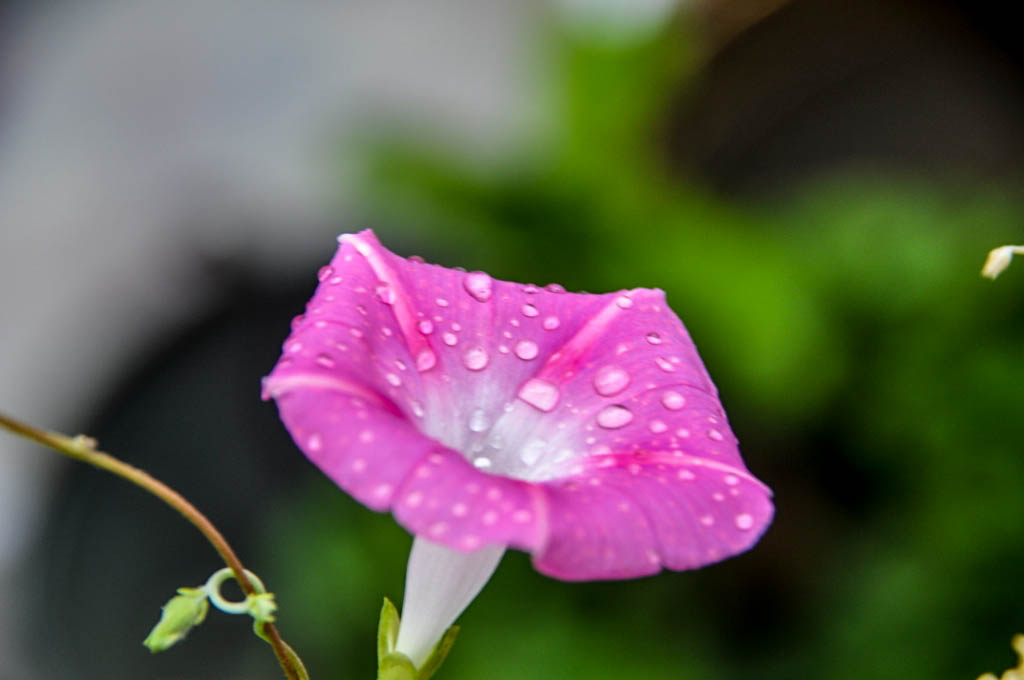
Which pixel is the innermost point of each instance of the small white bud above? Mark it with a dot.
(999, 259)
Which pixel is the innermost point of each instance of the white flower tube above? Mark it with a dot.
(439, 584)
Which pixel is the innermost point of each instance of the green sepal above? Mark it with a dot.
(392, 665)
(396, 666)
(182, 613)
(439, 654)
(387, 631)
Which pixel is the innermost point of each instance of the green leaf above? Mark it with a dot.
(181, 614)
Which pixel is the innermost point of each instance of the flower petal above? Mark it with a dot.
(485, 412)
(630, 514)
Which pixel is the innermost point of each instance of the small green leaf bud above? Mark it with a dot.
(181, 614)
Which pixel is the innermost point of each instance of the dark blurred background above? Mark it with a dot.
(814, 184)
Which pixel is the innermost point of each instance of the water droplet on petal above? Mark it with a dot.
(540, 394)
(325, 273)
(532, 451)
(385, 293)
(449, 339)
(425, 360)
(672, 400)
(531, 289)
(665, 365)
(744, 521)
(526, 350)
(615, 416)
(426, 326)
(529, 310)
(554, 288)
(418, 259)
(657, 426)
(417, 409)
(716, 435)
(610, 380)
(393, 380)
(325, 360)
(551, 323)
(624, 302)
(475, 358)
(482, 462)
(478, 421)
(315, 442)
(441, 302)
(479, 285)
(654, 338)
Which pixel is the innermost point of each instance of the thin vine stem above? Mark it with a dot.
(83, 449)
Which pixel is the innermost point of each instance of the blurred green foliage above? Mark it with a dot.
(874, 380)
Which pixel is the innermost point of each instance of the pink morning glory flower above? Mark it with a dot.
(583, 429)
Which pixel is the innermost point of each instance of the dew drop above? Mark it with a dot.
(417, 409)
(425, 360)
(716, 435)
(540, 394)
(385, 293)
(532, 451)
(610, 380)
(654, 338)
(418, 259)
(624, 302)
(325, 360)
(479, 285)
(449, 339)
(426, 326)
(665, 365)
(482, 462)
(529, 310)
(672, 400)
(531, 289)
(526, 350)
(478, 421)
(441, 302)
(554, 288)
(615, 416)
(744, 521)
(315, 442)
(393, 380)
(657, 426)
(551, 323)
(475, 358)
(325, 273)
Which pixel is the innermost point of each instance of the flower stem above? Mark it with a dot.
(84, 449)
